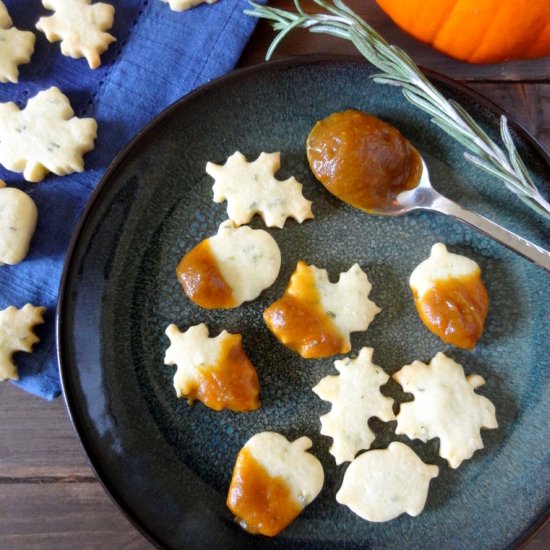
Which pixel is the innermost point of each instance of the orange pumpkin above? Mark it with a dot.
(477, 31)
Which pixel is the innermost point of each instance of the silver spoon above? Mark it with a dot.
(425, 197)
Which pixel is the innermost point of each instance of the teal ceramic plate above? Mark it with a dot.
(167, 464)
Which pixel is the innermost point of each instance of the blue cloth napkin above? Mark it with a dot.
(159, 56)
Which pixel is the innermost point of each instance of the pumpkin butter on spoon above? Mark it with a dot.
(362, 160)
(367, 163)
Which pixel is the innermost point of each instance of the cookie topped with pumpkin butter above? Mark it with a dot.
(229, 268)
(315, 317)
(273, 481)
(450, 297)
(214, 370)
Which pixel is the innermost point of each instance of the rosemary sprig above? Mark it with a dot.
(398, 69)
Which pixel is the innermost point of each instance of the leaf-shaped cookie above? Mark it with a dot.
(44, 137)
(81, 26)
(16, 334)
(16, 47)
(446, 406)
(355, 397)
(251, 188)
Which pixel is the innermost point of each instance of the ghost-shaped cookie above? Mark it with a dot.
(355, 396)
(381, 485)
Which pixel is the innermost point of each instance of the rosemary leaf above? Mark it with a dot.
(510, 182)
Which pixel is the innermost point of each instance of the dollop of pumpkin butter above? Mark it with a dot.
(450, 297)
(362, 160)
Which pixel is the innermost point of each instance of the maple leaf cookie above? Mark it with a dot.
(16, 47)
(16, 334)
(232, 267)
(44, 137)
(450, 297)
(273, 481)
(383, 484)
(315, 317)
(18, 215)
(81, 26)
(251, 188)
(445, 406)
(182, 5)
(215, 371)
(355, 397)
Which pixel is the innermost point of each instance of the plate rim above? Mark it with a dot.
(60, 325)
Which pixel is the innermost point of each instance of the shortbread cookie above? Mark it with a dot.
(383, 484)
(215, 371)
(16, 47)
(81, 26)
(230, 268)
(18, 215)
(315, 317)
(182, 5)
(44, 137)
(16, 334)
(355, 397)
(445, 406)
(273, 481)
(251, 188)
(450, 297)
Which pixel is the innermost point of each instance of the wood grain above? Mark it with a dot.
(49, 497)
(36, 440)
(63, 515)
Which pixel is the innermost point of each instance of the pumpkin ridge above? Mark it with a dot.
(525, 35)
(457, 39)
(540, 47)
(445, 20)
(417, 24)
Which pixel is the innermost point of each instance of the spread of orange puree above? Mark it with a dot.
(262, 504)
(362, 160)
(202, 280)
(455, 309)
(232, 383)
(299, 321)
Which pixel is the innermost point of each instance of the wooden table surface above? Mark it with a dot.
(49, 497)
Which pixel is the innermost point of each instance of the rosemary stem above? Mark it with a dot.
(399, 70)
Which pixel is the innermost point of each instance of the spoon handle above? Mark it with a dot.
(521, 246)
